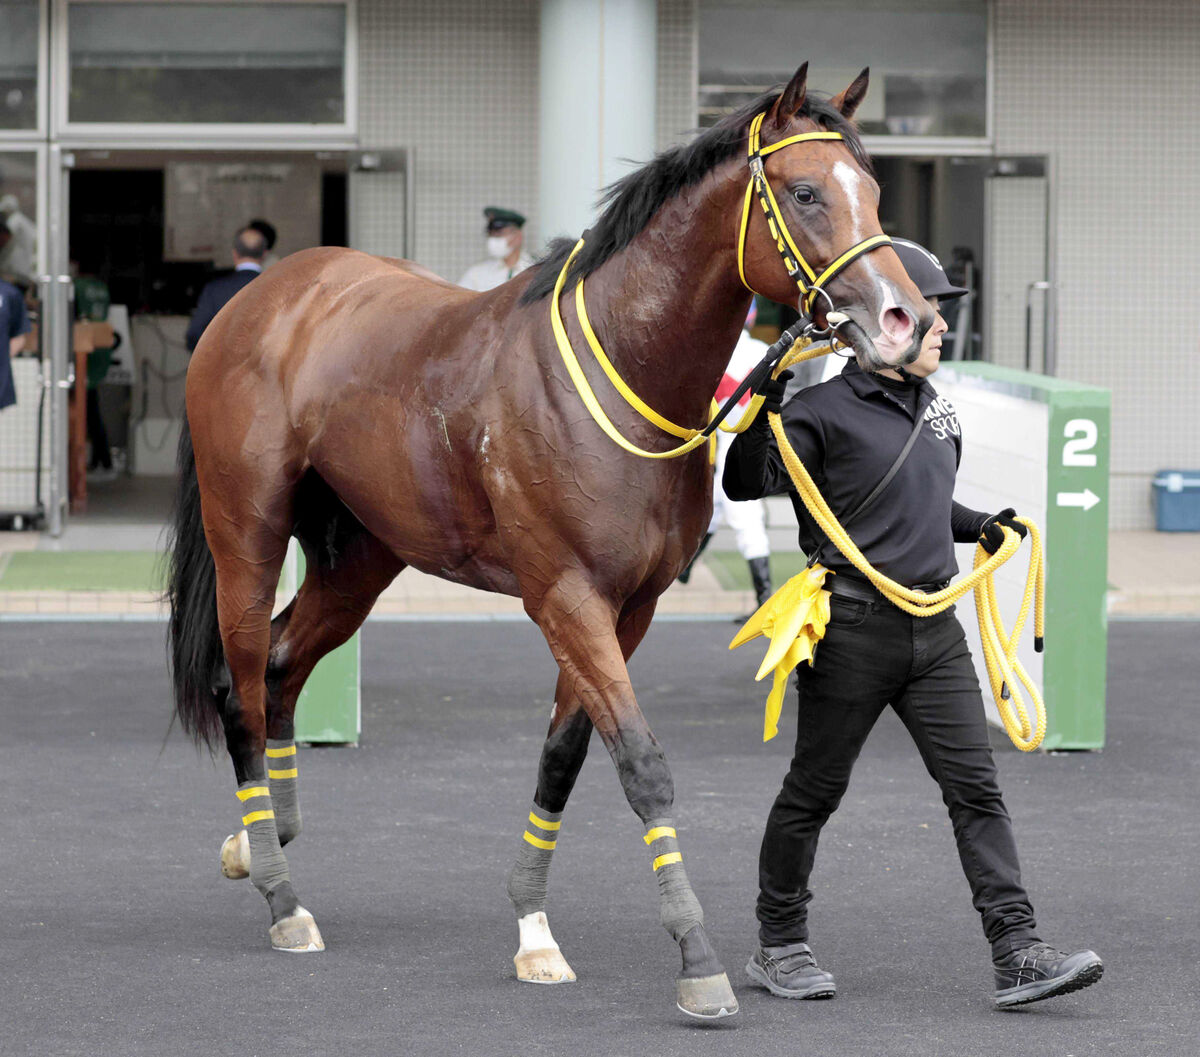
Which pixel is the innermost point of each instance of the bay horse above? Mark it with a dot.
(386, 418)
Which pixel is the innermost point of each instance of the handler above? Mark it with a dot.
(849, 433)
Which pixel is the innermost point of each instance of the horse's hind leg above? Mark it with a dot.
(538, 959)
(580, 629)
(248, 551)
(342, 581)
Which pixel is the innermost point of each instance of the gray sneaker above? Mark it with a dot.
(790, 972)
(1038, 971)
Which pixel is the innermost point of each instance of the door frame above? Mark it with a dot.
(1036, 166)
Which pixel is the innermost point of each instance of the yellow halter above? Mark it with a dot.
(798, 268)
(806, 278)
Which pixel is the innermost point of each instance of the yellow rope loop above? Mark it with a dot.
(1004, 670)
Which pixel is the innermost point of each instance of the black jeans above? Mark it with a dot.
(873, 655)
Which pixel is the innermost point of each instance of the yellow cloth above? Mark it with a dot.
(794, 619)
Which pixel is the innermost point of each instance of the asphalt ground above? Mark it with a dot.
(118, 936)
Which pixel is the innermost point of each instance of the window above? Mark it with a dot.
(18, 64)
(207, 63)
(928, 60)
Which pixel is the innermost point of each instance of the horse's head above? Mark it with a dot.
(823, 191)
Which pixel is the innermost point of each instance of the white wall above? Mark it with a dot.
(1108, 90)
(457, 80)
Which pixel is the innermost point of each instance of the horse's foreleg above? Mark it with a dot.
(538, 959)
(580, 628)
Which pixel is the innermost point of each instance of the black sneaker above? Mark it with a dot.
(1038, 971)
(790, 972)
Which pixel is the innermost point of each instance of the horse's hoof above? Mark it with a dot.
(297, 932)
(706, 997)
(545, 966)
(235, 856)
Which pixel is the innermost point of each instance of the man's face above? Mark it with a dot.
(931, 347)
(512, 235)
(503, 240)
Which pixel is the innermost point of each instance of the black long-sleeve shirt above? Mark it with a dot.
(848, 432)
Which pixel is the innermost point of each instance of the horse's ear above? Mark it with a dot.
(847, 101)
(792, 98)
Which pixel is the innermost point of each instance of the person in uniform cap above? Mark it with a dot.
(851, 433)
(505, 258)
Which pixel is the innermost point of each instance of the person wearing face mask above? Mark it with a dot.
(505, 257)
(852, 433)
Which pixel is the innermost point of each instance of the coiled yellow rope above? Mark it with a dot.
(1004, 670)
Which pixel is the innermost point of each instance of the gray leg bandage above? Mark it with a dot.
(285, 788)
(678, 907)
(268, 867)
(529, 876)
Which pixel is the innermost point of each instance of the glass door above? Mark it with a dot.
(26, 432)
(1020, 258)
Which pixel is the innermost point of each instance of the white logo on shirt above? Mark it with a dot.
(942, 418)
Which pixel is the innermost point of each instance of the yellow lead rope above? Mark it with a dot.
(1005, 671)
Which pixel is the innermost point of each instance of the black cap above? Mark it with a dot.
(502, 218)
(926, 271)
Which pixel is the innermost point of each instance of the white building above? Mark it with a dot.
(1056, 140)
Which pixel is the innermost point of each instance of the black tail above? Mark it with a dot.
(197, 659)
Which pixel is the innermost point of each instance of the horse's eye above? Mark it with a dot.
(804, 195)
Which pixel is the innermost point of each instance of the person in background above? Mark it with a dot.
(92, 300)
(18, 253)
(267, 230)
(249, 248)
(14, 325)
(849, 432)
(747, 519)
(505, 257)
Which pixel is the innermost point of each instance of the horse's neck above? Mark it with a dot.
(668, 308)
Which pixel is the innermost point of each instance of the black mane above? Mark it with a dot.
(629, 203)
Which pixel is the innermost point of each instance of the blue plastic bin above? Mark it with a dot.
(1177, 500)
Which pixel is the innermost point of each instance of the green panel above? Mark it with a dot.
(1077, 569)
(329, 709)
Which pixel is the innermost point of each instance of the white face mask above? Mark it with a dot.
(497, 247)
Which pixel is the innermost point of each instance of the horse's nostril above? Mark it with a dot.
(896, 324)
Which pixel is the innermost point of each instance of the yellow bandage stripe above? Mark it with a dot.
(658, 833)
(275, 754)
(284, 774)
(258, 816)
(541, 823)
(255, 790)
(537, 842)
(666, 860)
